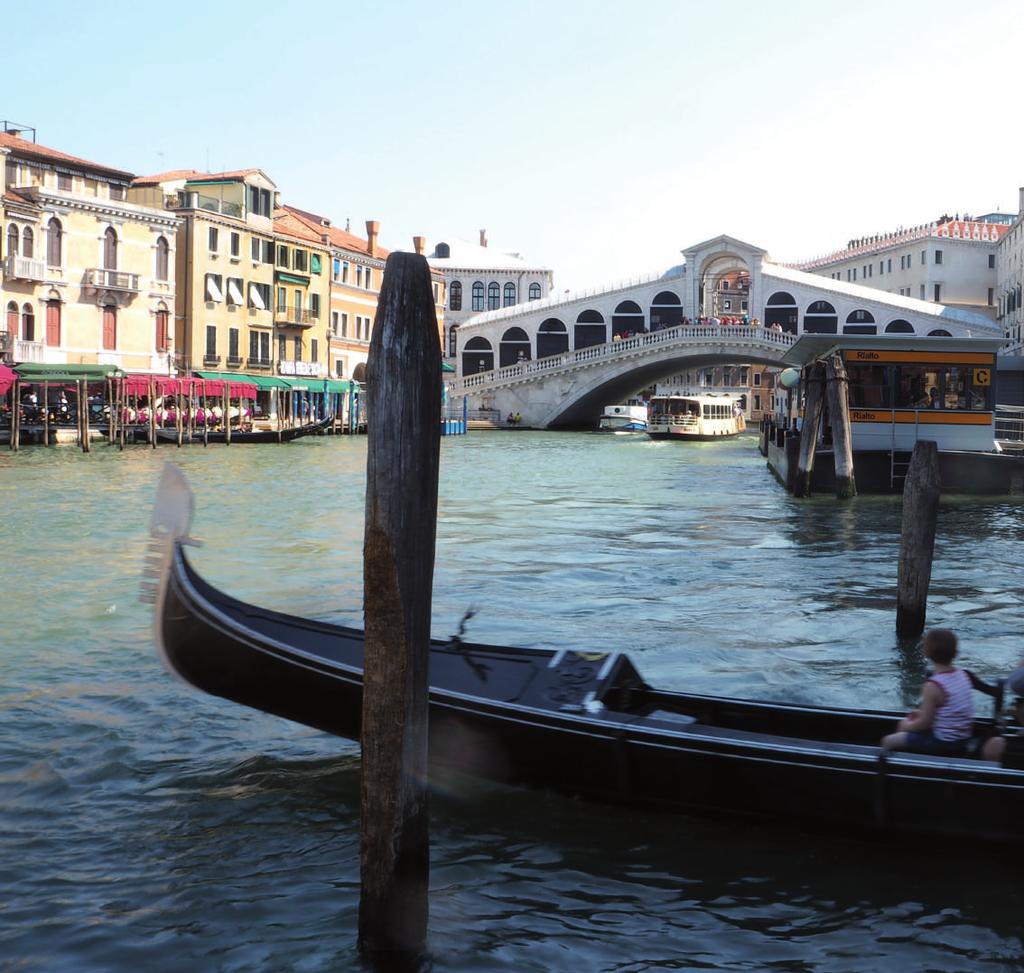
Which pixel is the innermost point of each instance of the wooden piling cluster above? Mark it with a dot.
(827, 382)
(403, 453)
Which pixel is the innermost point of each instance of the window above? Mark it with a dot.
(282, 300)
(214, 288)
(889, 265)
(534, 292)
(359, 275)
(757, 403)
(368, 278)
(64, 180)
(922, 292)
(259, 201)
(314, 263)
(117, 191)
(339, 368)
(110, 328)
(28, 241)
(259, 296)
(442, 250)
(12, 241)
(254, 346)
(453, 340)
(344, 272)
(211, 341)
(334, 323)
(478, 296)
(990, 290)
(282, 348)
(455, 296)
(53, 323)
(344, 324)
(510, 294)
(12, 317)
(233, 345)
(54, 243)
(757, 378)
(299, 260)
(314, 305)
(212, 239)
(267, 251)
(110, 249)
(938, 256)
(163, 250)
(297, 348)
(937, 293)
(924, 257)
(493, 296)
(298, 300)
(335, 269)
(162, 343)
(236, 245)
(314, 350)
(282, 256)
(235, 288)
(254, 249)
(991, 262)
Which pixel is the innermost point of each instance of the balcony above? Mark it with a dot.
(211, 361)
(296, 317)
(24, 268)
(259, 363)
(112, 280)
(212, 204)
(234, 361)
(28, 351)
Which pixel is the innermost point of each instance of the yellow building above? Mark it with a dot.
(88, 276)
(225, 279)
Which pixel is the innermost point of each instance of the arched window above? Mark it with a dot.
(939, 333)
(781, 309)
(442, 250)
(455, 297)
(860, 322)
(12, 240)
(899, 326)
(590, 329)
(493, 296)
(552, 338)
(12, 318)
(534, 292)
(782, 299)
(162, 336)
(28, 242)
(478, 295)
(28, 323)
(510, 294)
(54, 243)
(514, 347)
(453, 341)
(628, 318)
(820, 318)
(163, 253)
(110, 249)
(666, 311)
(53, 323)
(477, 356)
(109, 328)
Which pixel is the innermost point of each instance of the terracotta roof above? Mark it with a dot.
(340, 238)
(33, 150)
(285, 222)
(233, 174)
(170, 176)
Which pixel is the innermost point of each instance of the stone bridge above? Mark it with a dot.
(569, 389)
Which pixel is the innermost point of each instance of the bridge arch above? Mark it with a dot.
(590, 329)
(899, 326)
(939, 333)
(628, 316)
(552, 338)
(820, 318)
(782, 309)
(477, 356)
(723, 285)
(666, 310)
(860, 322)
(515, 345)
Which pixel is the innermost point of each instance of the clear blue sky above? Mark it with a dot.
(599, 138)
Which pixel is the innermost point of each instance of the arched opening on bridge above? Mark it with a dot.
(552, 338)
(899, 326)
(820, 318)
(724, 289)
(860, 322)
(627, 319)
(590, 329)
(666, 311)
(781, 309)
(939, 333)
(514, 347)
(477, 356)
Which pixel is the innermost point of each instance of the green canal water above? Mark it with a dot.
(144, 826)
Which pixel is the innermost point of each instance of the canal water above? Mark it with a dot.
(144, 826)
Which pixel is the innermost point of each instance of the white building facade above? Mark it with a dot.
(950, 262)
(1010, 271)
(479, 279)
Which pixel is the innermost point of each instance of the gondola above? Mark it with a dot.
(584, 724)
(285, 435)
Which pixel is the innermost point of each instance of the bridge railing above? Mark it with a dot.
(680, 335)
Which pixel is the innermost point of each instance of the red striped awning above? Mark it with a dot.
(7, 377)
(165, 385)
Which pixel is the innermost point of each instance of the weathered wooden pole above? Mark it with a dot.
(15, 415)
(46, 413)
(813, 401)
(842, 436)
(86, 444)
(404, 385)
(917, 544)
(227, 413)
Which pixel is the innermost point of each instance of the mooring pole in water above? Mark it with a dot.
(404, 423)
(917, 544)
(809, 429)
(842, 438)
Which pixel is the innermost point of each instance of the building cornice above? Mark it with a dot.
(102, 207)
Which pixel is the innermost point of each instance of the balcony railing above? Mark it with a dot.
(210, 360)
(234, 361)
(301, 317)
(28, 351)
(112, 280)
(211, 204)
(24, 268)
(6, 347)
(258, 363)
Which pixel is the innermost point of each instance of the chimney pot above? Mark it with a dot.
(483, 238)
(16, 132)
(419, 244)
(372, 228)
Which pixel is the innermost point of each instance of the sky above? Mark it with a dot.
(598, 139)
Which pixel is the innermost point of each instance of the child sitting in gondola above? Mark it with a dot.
(943, 723)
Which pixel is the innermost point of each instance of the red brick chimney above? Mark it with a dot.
(419, 244)
(372, 229)
(483, 238)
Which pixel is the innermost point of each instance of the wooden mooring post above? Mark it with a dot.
(842, 437)
(917, 543)
(403, 452)
(809, 429)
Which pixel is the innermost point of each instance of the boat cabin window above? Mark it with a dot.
(869, 386)
(954, 387)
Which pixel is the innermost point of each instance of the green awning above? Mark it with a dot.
(335, 385)
(445, 367)
(264, 382)
(32, 372)
(291, 278)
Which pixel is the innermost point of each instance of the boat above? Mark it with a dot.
(694, 418)
(283, 435)
(631, 416)
(577, 722)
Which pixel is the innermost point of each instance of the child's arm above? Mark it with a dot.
(921, 718)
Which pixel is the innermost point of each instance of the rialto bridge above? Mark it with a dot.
(558, 361)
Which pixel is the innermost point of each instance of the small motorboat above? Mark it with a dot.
(629, 417)
(578, 722)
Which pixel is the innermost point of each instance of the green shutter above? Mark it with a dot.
(314, 263)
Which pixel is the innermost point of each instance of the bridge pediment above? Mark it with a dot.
(723, 243)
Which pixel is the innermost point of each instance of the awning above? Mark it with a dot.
(445, 367)
(239, 387)
(33, 373)
(213, 292)
(334, 386)
(7, 377)
(255, 299)
(265, 382)
(291, 278)
(139, 384)
(235, 292)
